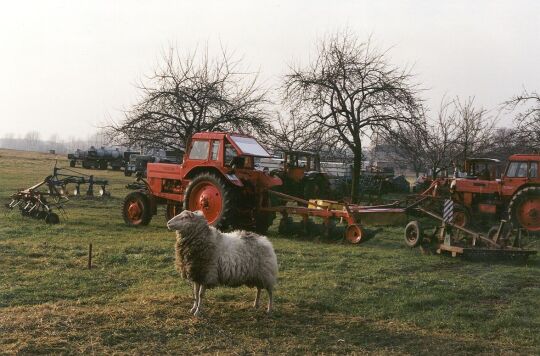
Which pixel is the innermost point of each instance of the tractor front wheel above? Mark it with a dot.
(211, 195)
(136, 209)
(524, 209)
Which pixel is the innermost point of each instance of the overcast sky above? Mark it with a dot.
(67, 66)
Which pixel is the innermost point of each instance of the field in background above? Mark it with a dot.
(378, 297)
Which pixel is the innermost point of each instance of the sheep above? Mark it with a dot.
(208, 258)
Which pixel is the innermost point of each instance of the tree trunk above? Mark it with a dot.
(357, 166)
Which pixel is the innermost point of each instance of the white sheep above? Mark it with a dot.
(208, 258)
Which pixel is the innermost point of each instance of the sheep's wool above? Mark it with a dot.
(209, 257)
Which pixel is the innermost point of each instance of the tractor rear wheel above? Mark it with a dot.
(524, 209)
(211, 195)
(136, 209)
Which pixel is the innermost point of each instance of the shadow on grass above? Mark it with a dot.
(163, 325)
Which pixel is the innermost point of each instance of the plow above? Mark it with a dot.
(501, 242)
(41, 200)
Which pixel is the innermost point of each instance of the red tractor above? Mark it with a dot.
(217, 176)
(514, 196)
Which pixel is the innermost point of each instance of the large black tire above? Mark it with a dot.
(136, 209)
(103, 165)
(72, 163)
(524, 209)
(86, 164)
(214, 197)
(413, 234)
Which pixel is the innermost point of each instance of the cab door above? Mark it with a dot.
(517, 174)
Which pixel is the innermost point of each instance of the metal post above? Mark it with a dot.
(90, 256)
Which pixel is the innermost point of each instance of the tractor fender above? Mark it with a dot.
(231, 177)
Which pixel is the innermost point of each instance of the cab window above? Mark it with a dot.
(533, 171)
(199, 150)
(230, 153)
(215, 150)
(517, 170)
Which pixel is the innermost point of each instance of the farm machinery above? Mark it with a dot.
(481, 195)
(40, 200)
(302, 176)
(501, 242)
(217, 176)
(100, 158)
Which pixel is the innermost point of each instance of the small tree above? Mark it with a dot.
(528, 120)
(475, 129)
(352, 90)
(191, 94)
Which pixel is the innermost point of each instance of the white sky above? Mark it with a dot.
(66, 66)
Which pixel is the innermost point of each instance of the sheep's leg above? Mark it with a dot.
(257, 298)
(202, 289)
(196, 287)
(270, 301)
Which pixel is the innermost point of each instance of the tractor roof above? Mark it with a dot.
(525, 157)
(481, 159)
(245, 144)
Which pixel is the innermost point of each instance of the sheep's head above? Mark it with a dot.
(186, 221)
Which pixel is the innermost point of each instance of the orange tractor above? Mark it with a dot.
(217, 176)
(302, 176)
(482, 194)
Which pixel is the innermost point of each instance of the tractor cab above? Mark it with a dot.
(297, 163)
(301, 175)
(482, 168)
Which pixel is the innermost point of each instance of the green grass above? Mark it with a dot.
(378, 297)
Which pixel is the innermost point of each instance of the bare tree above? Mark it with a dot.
(475, 129)
(294, 131)
(289, 132)
(528, 120)
(459, 131)
(351, 89)
(191, 94)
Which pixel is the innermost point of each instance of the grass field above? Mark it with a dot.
(378, 297)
